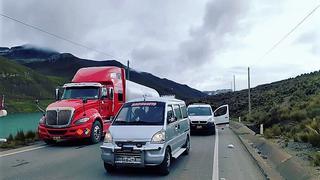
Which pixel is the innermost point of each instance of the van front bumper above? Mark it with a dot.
(147, 155)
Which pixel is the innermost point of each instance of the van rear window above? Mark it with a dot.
(141, 113)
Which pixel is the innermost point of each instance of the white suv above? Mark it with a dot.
(201, 118)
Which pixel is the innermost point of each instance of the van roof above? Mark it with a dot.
(158, 99)
(199, 105)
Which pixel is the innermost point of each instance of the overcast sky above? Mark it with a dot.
(200, 43)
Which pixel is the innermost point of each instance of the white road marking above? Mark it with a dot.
(215, 168)
(25, 150)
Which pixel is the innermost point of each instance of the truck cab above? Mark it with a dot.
(88, 104)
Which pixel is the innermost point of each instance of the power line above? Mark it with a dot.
(290, 32)
(57, 36)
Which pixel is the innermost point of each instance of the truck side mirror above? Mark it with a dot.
(38, 106)
(57, 95)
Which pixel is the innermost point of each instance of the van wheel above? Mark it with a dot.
(96, 132)
(164, 167)
(109, 168)
(187, 146)
(49, 141)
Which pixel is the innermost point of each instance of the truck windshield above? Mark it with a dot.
(199, 111)
(81, 92)
(141, 113)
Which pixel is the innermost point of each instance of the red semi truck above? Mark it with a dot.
(88, 103)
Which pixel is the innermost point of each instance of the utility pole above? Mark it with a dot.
(249, 94)
(234, 82)
(128, 70)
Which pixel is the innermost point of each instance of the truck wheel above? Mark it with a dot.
(164, 167)
(187, 146)
(109, 168)
(96, 132)
(49, 141)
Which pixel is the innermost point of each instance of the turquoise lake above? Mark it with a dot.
(18, 121)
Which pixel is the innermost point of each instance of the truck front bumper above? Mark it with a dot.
(73, 132)
(147, 155)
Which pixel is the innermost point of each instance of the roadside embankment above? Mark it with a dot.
(272, 160)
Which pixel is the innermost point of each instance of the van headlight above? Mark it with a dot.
(159, 137)
(108, 137)
(82, 120)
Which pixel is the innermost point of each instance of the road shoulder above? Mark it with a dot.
(273, 161)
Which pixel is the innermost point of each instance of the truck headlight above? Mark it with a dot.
(82, 120)
(108, 137)
(158, 137)
(42, 120)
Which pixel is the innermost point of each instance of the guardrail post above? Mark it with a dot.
(261, 129)
(239, 119)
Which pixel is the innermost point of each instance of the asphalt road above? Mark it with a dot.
(82, 161)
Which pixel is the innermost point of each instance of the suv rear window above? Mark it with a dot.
(141, 113)
(199, 111)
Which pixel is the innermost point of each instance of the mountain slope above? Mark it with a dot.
(21, 86)
(65, 65)
(290, 108)
(27, 53)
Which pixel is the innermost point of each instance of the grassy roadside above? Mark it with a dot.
(19, 140)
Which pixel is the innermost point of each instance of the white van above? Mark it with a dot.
(147, 132)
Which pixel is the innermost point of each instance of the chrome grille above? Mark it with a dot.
(63, 117)
(51, 117)
(58, 118)
(128, 157)
(199, 122)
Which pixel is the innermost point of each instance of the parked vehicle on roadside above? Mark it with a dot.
(88, 103)
(202, 118)
(147, 132)
(3, 112)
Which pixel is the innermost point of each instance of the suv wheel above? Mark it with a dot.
(164, 167)
(213, 131)
(96, 132)
(187, 146)
(109, 168)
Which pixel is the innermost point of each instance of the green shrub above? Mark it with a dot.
(314, 139)
(298, 115)
(316, 159)
(274, 131)
(302, 137)
(30, 135)
(20, 136)
(10, 138)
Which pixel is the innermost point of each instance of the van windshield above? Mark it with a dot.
(199, 111)
(81, 92)
(141, 113)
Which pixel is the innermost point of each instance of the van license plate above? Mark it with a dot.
(56, 138)
(199, 127)
(128, 159)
